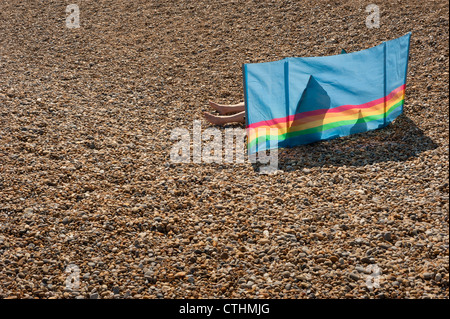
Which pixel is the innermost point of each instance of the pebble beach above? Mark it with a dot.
(92, 207)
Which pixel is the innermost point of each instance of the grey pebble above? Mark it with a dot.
(354, 276)
(93, 296)
(428, 275)
(387, 236)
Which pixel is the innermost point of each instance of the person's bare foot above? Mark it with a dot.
(227, 109)
(225, 119)
(213, 119)
(218, 107)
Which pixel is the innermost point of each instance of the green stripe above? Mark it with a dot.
(322, 128)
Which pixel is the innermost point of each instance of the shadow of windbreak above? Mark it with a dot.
(399, 141)
(314, 98)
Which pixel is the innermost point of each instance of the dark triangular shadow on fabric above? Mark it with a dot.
(360, 125)
(313, 98)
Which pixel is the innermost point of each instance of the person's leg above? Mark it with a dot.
(226, 109)
(221, 120)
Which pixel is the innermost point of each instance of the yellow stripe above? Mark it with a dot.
(352, 114)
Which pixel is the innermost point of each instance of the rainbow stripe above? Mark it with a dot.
(319, 121)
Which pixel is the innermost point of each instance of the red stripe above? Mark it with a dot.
(323, 111)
